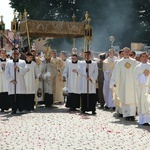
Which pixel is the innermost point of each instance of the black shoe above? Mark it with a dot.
(146, 124)
(106, 107)
(71, 109)
(101, 107)
(127, 118)
(83, 112)
(120, 115)
(93, 113)
(112, 108)
(13, 112)
(132, 118)
(47, 106)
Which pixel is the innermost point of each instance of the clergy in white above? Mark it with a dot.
(30, 82)
(88, 71)
(117, 102)
(125, 91)
(142, 86)
(39, 95)
(108, 66)
(58, 98)
(18, 67)
(48, 75)
(4, 99)
(71, 74)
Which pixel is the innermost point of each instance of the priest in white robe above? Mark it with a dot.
(125, 91)
(39, 94)
(48, 75)
(117, 103)
(71, 74)
(58, 93)
(142, 86)
(30, 82)
(16, 84)
(4, 99)
(108, 66)
(88, 72)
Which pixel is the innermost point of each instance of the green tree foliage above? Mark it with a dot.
(142, 25)
(128, 21)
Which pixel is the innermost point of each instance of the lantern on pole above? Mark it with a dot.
(27, 29)
(2, 29)
(14, 26)
(74, 40)
(88, 33)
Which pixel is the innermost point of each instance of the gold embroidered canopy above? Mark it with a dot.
(53, 29)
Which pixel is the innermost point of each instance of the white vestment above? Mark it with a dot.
(30, 78)
(3, 81)
(142, 86)
(108, 66)
(58, 92)
(39, 94)
(49, 73)
(117, 102)
(93, 73)
(125, 90)
(72, 78)
(9, 74)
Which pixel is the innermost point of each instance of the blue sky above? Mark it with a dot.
(7, 12)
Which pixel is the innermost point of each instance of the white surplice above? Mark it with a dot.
(93, 73)
(3, 81)
(9, 74)
(72, 78)
(30, 78)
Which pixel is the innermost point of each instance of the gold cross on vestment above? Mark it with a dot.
(127, 65)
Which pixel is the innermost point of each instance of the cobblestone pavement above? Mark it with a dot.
(59, 129)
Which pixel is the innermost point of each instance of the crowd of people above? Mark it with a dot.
(118, 82)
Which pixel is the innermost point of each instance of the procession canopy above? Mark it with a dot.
(57, 29)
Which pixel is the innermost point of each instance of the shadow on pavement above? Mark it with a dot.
(9, 115)
(124, 122)
(144, 127)
(53, 109)
(121, 120)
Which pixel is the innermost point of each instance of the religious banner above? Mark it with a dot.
(52, 29)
